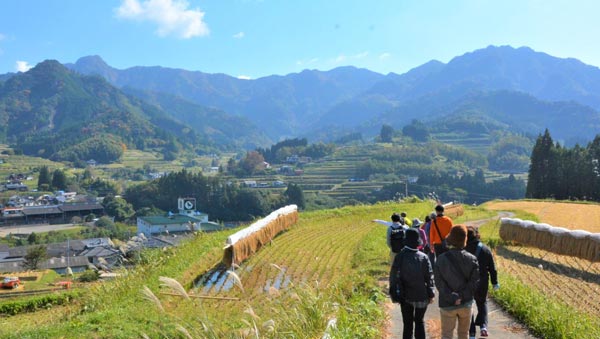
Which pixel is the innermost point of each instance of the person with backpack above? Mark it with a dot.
(456, 275)
(427, 228)
(487, 272)
(394, 235)
(439, 229)
(411, 285)
(416, 224)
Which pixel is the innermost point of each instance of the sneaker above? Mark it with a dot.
(484, 332)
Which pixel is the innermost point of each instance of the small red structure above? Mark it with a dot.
(11, 282)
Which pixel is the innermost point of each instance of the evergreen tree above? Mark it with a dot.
(593, 161)
(44, 178)
(543, 171)
(295, 195)
(386, 133)
(59, 180)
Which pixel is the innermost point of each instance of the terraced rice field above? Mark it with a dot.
(570, 280)
(560, 214)
(573, 281)
(319, 248)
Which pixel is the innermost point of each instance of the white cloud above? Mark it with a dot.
(307, 62)
(340, 58)
(22, 66)
(361, 55)
(244, 77)
(384, 56)
(172, 16)
(239, 35)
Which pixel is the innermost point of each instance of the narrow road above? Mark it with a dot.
(27, 229)
(500, 324)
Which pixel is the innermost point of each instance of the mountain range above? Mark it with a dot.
(499, 87)
(349, 99)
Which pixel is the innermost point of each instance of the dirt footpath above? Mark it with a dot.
(500, 324)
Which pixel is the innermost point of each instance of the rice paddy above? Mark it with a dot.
(584, 216)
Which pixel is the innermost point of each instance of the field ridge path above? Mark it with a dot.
(500, 324)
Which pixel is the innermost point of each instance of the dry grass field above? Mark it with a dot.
(560, 214)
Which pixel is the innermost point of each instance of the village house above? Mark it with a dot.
(79, 255)
(187, 220)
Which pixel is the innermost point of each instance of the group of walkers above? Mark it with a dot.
(438, 255)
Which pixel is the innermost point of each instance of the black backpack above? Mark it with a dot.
(397, 239)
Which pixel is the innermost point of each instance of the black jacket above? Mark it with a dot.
(411, 277)
(456, 271)
(485, 259)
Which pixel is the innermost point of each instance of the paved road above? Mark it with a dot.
(27, 229)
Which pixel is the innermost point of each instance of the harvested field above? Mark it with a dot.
(573, 281)
(559, 214)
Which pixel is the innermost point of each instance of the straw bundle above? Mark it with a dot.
(559, 240)
(454, 210)
(243, 244)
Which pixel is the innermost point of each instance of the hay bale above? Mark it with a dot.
(244, 243)
(559, 240)
(453, 210)
(581, 243)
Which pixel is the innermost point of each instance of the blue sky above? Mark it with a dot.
(252, 38)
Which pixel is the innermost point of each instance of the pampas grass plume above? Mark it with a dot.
(236, 279)
(174, 285)
(184, 331)
(148, 295)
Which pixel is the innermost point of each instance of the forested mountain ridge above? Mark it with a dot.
(319, 104)
(233, 132)
(53, 112)
(281, 105)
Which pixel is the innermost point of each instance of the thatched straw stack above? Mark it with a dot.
(578, 243)
(454, 210)
(241, 245)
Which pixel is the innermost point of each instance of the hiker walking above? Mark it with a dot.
(406, 219)
(394, 235)
(439, 230)
(416, 224)
(411, 285)
(487, 272)
(456, 277)
(427, 228)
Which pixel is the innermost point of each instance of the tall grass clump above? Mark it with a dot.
(544, 316)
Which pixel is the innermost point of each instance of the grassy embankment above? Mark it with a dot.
(331, 262)
(553, 303)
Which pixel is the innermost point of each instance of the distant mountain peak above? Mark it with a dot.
(94, 64)
(94, 60)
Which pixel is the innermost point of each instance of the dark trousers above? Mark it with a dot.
(410, 316)
(431, 256)
(482, 309)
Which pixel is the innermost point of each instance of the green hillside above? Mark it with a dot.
(327, 275)
(55, 113)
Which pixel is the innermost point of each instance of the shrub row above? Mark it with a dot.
(35, 303)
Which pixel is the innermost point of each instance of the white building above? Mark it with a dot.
(187, 220)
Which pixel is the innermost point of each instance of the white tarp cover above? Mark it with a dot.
(241, 234)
